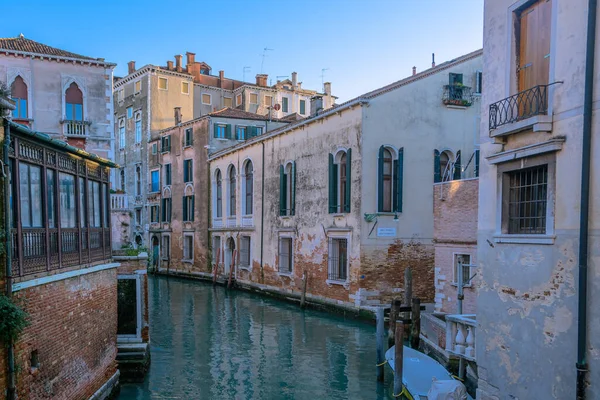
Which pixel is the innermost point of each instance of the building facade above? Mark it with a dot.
(341, 199)
(530, 306)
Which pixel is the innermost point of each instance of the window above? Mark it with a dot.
(389, 184)
(302, 107)
(137, 86)
(222, 131)
(219, 195)
(154, 148)
(188, 208)
(527, 200)
(268, 101)
(74, 103)
(65, 179)
(245, 251)
(129, 112)
(30, 188)
(138, 216)
(232, 191)
(206, 98)
(248, 188)
(138, 128)
(287, 189)
(165, 144)
(463, 260)
(185, 87)
(105, 195)
(478, 81)
(163, 83)
(240, 132)
(258, 130)
(94, 203)
(166, 247)
(340, 181)
(166, 209)
(167, 174)
(120, 95)
(122, 133)
(253, 98)
(188, 171)
(285, 255)
(227, 102)
(18, 92)
(444, 166)
(532, 32)
(238, 100)
(189, 137)
(50, 196)
(155, 181)
(284, 104)
(138, 180)
(188, 246)
(154, 214)
(338, 259)
(122, 178)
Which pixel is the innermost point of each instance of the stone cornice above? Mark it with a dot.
(152, 69)
(82, 61)
(527, 151)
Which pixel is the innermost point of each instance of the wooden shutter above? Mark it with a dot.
(163, 213)
(437, 173)
(348, 180)
(281, 190)
(476, 163)
(293, 199)
(192, 208)
(457, 167)
(398, 181)
(216, 130)
(228, 131)
(380, 179)
(185, 170)
(185, 209)
(332, 185)
(534, 45)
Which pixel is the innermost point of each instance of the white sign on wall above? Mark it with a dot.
(386, 232)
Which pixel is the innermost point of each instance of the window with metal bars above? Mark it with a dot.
(285, 255)
(245, 251)
(528, 200)
(338, 259)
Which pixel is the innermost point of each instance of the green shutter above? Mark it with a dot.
(216, 130)
(185, 209)
(163, 216)
(228, 131)
(170, 209)
(399, 181)
(380, 179)
(457, 172)
(185, 170)
(348, 180)
(332, 185)
(476, 163)
(437, 174)
(193, 206)
(293, 199)
(281, 191)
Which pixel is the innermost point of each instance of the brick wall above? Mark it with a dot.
(74, 329)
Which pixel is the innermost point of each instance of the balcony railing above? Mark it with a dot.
(457, 95)
(119, 201)
(460, 335)
(523, 105)
(75, 128)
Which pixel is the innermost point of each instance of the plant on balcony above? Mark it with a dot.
(12, 320)
(457, 102)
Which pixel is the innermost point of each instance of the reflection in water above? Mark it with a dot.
(209, 343)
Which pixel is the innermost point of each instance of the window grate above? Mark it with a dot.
(285, 255)
(528, 198)
(338, 259)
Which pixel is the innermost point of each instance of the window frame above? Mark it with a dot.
(154, 172)
(250, 98)
(238, 99)
(122, 134)
(163, 79)
(230, 99)
(209, 99)
(455, 256)
(338, 235)
(285, 104)
(237, 131)
(188, 208)
(165, 250)
(269, 104)
(163, 147)
(135, 86)
(188, 168)
(218, 205)
(290, 270)
(154, 213)
(168, 174)
(185, 83)
(241, 263)
(247, 197)
(301, 105)
(188, 140)
(138, 124)
(190, 250)
(129, 112)
(232, 191)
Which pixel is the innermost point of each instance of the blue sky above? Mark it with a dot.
(364, 44)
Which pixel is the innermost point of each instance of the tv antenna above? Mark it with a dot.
(244, 73)
(323, 78)
(282, 76)
(264, 54)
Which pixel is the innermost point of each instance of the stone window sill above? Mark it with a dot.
(288, 274)
(345, 284)
(468, 285)
(187, 260)
(525, 239)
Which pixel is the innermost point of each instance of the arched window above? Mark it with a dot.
(443, 166)
(389, 182)
(138, 180)
(122, 133)
(248, 187)
(232, 185)
(138, 127)
(219, 195)
(340, 181)
(18, 92)
(386, 180)
(287, 190)
(166, 205)
(122, 178)
(74, 103)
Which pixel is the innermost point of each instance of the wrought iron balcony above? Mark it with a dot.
(523, 105)
(457, 95)
(75, 128)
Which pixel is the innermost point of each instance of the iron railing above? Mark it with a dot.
(522, 105)
(457, 95)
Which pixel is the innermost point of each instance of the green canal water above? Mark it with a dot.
(210, 343)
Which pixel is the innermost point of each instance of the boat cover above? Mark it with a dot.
(447, 390)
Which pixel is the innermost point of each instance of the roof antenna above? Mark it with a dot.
(323, 78)
(244, 73)
(264, 54)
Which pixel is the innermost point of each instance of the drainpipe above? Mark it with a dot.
(10, 392)
(262, 214)
(582, 364)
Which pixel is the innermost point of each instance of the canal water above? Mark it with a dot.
(210, 343)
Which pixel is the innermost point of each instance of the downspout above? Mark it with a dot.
(10, 391)
(262, 214)
(582, 364)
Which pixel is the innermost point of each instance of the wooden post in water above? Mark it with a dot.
(394, 314)
(380, 342)
(304, 283)
(415, 332)
(216, 267)
(398, 358)
(234, 255)
(407, 296)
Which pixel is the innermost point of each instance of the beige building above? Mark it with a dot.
(345, 197)
(537, 316)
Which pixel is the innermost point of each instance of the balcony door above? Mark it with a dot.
(533, 43)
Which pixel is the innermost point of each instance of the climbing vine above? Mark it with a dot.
(12, 320)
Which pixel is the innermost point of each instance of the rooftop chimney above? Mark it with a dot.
(327, 88)
(316, 105)
(177, 115)
(170, 65)
(221, 78)
(294, 80)
(191, 58)
(261, 79)
(432, 60)
(130, 67)
(414, 71)
(178, 62)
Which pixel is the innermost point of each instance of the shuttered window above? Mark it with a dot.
(340, 180)
(188, 172)
(219, 196)
(188, 208)
(166, 210)
(533, 44)
(287, 189)
(222, 131)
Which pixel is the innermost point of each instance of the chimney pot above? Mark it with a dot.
(221, 78)
(261, 80)
(178, 62)
(316, 105)
(177, 115)
(432, 60)
(414, 71)
(294, 80)
(191, 58)
(130, 67)
(170, 65)
(327, 88)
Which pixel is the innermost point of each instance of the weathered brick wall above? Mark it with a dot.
(74, 329)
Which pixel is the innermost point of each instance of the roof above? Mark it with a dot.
(59, 144)
(22, 44)
(241, 114)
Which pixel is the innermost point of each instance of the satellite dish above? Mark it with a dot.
(276, 107)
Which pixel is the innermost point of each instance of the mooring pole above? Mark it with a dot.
(415, 319)
(398, 358)
(394, 314)
(304, 283)
(216, 266)
(379, 312)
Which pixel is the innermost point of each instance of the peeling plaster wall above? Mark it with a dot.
(527, 303)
